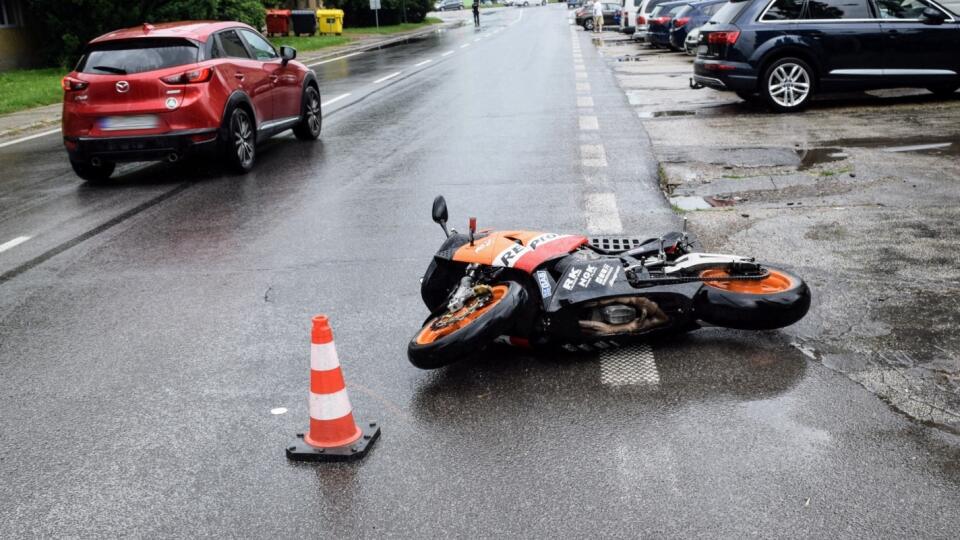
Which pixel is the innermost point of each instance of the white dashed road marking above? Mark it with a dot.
(334, 100)
(593, 155)
(13, 243)
(589, 123)
(448, 53)
(629, 366)
(425, 62)
(334, 59)
(603, 216)
(583, 87)
(465, 45)
(30, 137)
(390, 76)
(584, 101)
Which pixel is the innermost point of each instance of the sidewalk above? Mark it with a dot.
(37, 120)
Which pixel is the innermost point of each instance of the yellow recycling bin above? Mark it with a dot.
(330, 21)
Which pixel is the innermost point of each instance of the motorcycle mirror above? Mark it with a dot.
(440, 213)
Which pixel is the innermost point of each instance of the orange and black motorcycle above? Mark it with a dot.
(540, 290)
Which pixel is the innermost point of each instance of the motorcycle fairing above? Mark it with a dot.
(523, 250)
(597, 279)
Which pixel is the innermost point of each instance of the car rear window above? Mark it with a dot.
(138, 55)
(838, 9)
(783, 10)
(729, 12)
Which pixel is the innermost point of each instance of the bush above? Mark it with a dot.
(358, 13)
(62, 27)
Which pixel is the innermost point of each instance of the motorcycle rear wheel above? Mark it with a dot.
(433, 348)
(776, 301)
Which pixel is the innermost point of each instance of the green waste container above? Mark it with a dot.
(330, 21)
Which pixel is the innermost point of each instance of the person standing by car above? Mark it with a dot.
(476, 13)
(597, 16)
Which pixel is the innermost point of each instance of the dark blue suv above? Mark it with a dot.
(785, 50)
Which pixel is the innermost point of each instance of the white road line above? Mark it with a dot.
(425, 62)
(580, 75)
(390, 76)
(465, 45)
(30, 137)
(579, 67)
(476, 40)
(334, 100)
(589, 123)
(603, 216)
(335, 59)
(13, 243)
(448, 53)
(584, 101)
(583, 87)
(629, 366)
(593, 155)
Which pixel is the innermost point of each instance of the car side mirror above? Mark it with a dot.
(932, 16)
(287, 54)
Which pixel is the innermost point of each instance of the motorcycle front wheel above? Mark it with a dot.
(448, 337)
(778, 300)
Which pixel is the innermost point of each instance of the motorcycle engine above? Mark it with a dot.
(622, 315)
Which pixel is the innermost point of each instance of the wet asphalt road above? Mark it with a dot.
(149, 328)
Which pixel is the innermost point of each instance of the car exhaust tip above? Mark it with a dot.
(96, 162)
(173, 157)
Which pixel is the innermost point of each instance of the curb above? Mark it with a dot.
(379, 44)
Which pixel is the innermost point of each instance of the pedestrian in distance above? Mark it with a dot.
(597, 16)
(476, 13)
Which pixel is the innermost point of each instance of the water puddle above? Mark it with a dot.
(812, 157)
(662, 114)
(834, 150)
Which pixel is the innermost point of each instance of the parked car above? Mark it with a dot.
(448, 5)
(690, 17)
(690, 44)
(528, 3)
(162, 92)
(572, 4)
(658, 25)
(643, 14)
(628, 15)
(786, 50)
(611, 15)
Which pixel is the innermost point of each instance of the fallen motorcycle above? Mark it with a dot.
(541, 290)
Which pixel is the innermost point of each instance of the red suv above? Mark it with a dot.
(162, 92)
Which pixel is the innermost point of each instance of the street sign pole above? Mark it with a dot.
(375, 6)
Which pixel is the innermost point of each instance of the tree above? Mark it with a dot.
(62, 27)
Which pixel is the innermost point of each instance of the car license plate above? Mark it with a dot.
(118, 123)
(701, 50)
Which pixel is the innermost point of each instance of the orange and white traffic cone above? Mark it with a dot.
(333, 435)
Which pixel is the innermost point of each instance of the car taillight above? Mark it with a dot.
(641, 19)
(661, 20)
(678, 22)
(189, 77)
(69, 84)
(723, 38)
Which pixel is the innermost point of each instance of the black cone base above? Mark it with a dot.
(299, 450)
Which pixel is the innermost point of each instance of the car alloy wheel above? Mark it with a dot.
(313, 113)
(789, 85)
(242, 130)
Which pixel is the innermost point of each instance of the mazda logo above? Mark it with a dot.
(123, 87)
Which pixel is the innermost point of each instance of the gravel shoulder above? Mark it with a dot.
(858, 194)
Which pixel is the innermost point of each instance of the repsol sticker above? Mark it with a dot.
(512, 254)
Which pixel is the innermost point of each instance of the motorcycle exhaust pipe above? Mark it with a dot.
(173, 157)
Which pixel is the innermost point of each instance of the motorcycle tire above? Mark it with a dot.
(778, 300)
(430, 349)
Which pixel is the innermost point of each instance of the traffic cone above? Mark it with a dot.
(333, 435)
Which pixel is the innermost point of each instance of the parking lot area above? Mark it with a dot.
(859, 192)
